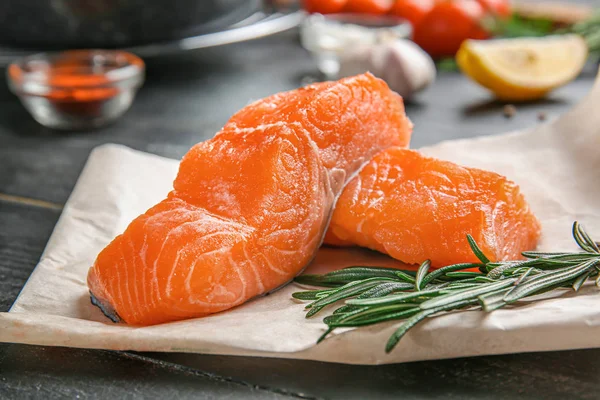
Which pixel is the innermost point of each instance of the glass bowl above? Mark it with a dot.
(330, 37)
(76, 89)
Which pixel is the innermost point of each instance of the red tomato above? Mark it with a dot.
(368, 6)
(447, 25)
(324, 6)
(500, 8)
(412, 10)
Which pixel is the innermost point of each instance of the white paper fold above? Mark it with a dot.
(557, 166)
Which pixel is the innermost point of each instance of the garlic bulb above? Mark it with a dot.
(405, 67)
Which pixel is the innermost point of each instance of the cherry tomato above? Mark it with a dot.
(368, 6)
(324, 6)
(447, 25)
(412, 10)
(500, 8)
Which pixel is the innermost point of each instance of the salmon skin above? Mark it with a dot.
(415, 208)
(249, 207)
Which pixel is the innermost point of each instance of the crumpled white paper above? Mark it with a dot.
(556, 164)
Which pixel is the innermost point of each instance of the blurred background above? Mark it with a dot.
(544, 46)
(457, 63)
(408, 43)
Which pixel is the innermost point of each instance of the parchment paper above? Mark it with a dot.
(557, 166)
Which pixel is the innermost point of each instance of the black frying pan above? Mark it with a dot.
(59, 24)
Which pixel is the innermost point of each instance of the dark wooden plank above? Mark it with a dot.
(554, 375)
(24, 231)
(59, 373)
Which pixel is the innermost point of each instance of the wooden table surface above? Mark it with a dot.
(186, 100)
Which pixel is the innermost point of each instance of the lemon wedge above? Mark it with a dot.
(523, 68)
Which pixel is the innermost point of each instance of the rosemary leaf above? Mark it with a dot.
(497, 272)
(347, 275)
(545, 280)
(372, 312)
(476, 250)
(560, 256)
(520, 279)
(538, 254)
(586, 238)
(524, 275)
(445, 270)
(315, 280)
(346, 309)
(466, 294)
(313, 310)
(465, 275)
(394, 298)
(362, 273)
(384, 317)
(421, 272)
(463, 284)
(546, 263)
(412, 321)
(310, 294)
(493, 301)
(384, 289)
(343, 293)
(491, 265)
(493, 305)
(336, 290)
(324, 335)
(581, 280)
(333, 318)
(403, 276)
(580, 239)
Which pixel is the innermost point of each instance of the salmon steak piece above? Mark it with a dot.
(249, 207)
(416, 208)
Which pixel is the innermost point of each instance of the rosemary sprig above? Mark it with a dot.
(517, 26)
(590, 30)
(373, 295)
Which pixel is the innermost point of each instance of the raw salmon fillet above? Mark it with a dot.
(415, 208)
(249, 207)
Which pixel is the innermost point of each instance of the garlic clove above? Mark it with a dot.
(405, 67)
